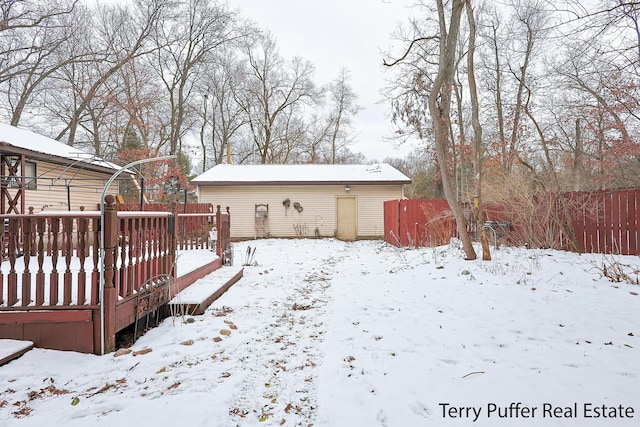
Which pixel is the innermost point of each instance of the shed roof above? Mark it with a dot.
(21, 141)
(223, 175)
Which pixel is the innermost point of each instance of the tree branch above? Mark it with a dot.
(391, 64)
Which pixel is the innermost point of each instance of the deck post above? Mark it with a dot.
(110, 294)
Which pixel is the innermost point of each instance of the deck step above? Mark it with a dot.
(195, 299)
(12, 349)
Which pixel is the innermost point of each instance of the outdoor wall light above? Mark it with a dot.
(347, 188)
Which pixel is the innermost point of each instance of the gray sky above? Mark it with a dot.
(340, 33)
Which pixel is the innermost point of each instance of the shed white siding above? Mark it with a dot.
(319, 204)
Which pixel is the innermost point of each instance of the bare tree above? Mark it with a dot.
(137, 98)
(31, 35)
(118, 43)
(441, 50)
(222, 117)
(276, 91)
(21, 14)
(343, 106)
(185, 42)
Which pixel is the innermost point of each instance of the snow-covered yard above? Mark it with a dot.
(327, 333)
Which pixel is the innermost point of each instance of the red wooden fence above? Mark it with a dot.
(606, 221)
(418, 222)
(603, 221)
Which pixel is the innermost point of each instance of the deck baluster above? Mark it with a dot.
(40, 229)
(162, 241)
(55, 248)
(26, 252)
(123, 290)
(12, 279)
(67, 232)
(131, 245)
(82, 255)
(154, 247)
(144, 270)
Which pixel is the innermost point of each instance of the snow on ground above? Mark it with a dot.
(328, 333)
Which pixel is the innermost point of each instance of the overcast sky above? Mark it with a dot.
(340, 33)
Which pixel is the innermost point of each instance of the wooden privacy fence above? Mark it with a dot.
(602, 222)
(50, 287)
(418, 222)
(605, 221)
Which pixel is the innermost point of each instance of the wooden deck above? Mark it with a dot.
(197, 289)
(195, 299)
(57, 291)
(12, 349)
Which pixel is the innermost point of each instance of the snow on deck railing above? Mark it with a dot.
(52, 260)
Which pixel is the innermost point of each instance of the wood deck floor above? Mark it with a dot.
(12, 349)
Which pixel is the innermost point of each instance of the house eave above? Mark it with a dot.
(8, 149)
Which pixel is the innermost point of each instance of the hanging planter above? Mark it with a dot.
(286, 203)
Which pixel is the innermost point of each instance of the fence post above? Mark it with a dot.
(110, 295)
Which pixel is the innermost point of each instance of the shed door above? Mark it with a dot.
(346, 218)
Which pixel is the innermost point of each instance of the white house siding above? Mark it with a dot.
(318, 203)
(85, 188)
(371, 208)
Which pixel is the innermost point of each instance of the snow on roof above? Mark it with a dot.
(380, 173)
(27, 140)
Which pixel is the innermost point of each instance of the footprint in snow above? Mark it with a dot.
(420, 409)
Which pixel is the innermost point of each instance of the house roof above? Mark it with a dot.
(224, 175)
(15, 140)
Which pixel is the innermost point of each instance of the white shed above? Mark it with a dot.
(343, 201)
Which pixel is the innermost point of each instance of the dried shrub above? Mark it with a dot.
(439, 226)
(540, 220)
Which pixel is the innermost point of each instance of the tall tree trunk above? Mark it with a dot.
(578, 159)
(498, 96)
(440, 109)
(477, 127)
